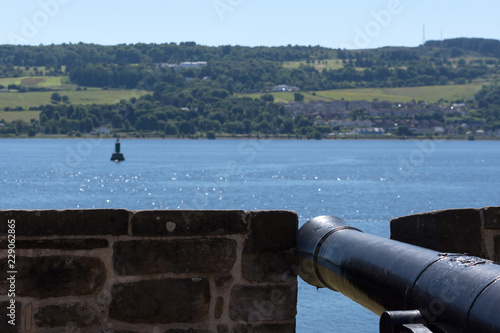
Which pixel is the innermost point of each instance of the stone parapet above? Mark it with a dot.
(104, 271)
(469, 230)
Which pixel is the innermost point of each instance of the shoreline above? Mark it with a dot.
(291, 138)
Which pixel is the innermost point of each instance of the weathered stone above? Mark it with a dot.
(118, 331)
(222, 329)
(9, 315)
(56, 276)
(188, 223)
(187, 331)
(497, 248)
(219, 307)
(272, 231)
(270, 266)
(265, 328)
(269, 254)
(263, 303)
(59, 244)
(491, 217)
(454, 230)
(174, 256)
(66, 315)
(223, 281)
(67, 222)
(165, 301)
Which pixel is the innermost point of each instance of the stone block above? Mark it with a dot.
(454, 231)
(188, 223)
(186, 331)
(270, 251)
(164, 301)
(66, 315)
(174, 256)
(67, 222)
(119, 331)
(497, 248)
(265, 328)
(270, 266)
(491, 217)
(263, 303)
(272, 231)
(223, 329)
(8, 315)
(56, 276)
(59, 244)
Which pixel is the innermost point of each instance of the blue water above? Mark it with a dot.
(367, 183)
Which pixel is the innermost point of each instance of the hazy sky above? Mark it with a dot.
(331, 23)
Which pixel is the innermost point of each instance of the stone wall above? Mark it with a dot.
(472, 231)
(117, 271)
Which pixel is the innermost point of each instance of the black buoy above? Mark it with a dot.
(117, 156)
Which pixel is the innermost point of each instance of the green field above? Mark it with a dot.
(35, 99)
(430, 94)
(34, 81)
(286, 97)
(330, 64)
(19, 115)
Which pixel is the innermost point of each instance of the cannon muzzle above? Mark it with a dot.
(435, 292)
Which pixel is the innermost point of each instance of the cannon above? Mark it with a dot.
(411, 288)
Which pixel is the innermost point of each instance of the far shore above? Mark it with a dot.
(260, 137)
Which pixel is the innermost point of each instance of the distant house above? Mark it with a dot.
(197, 64)
(368, 131)
(285, 88)
(104, 130)
(176, 67)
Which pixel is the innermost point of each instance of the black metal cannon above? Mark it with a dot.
(413, 289)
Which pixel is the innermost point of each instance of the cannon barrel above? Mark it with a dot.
(449, 292)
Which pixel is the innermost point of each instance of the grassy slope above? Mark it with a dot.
(430, 94)
(34, 99)
(34, 81)
(19, 115)
(330, 64)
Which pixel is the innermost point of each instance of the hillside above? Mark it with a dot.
(190, 90)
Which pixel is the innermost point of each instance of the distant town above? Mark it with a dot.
(338, 115)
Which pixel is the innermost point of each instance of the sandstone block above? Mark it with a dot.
(187, 331)
(66, 315)
(269, 254)
(56, 276)
(454, 230)
(175, 256)
(188, 223)
(164, 301)
(118, 331)
(263, 303)
(67, 222)
(491, 217)
(4, 323)
(59, 244)
(265, 328)
(272, 231)
(222, 329)
(497, 248)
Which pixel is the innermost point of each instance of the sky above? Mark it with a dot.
(349, 24)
